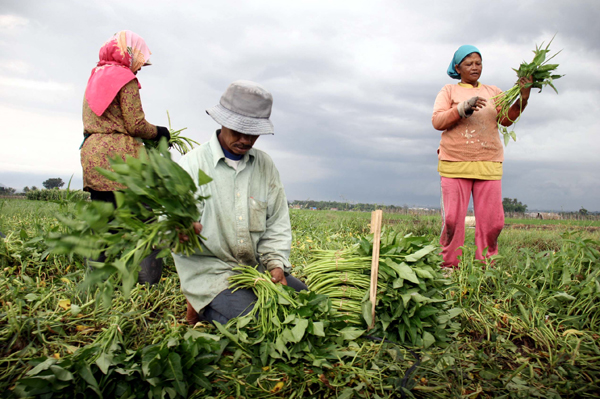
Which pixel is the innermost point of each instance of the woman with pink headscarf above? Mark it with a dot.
(113, 119)
(114, 123)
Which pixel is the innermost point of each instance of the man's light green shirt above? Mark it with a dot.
(245, 221)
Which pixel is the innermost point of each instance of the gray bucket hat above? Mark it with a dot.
(244, 107)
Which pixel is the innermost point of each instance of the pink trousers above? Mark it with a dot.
(489, 216)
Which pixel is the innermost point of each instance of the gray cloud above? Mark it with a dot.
(353, 82)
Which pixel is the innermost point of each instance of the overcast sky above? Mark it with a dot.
(353, 84)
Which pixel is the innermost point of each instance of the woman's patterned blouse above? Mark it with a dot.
(117, 132)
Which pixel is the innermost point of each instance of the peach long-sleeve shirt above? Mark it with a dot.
(472, 139)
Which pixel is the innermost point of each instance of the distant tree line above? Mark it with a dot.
(53, 182)
(7, 190)
(346, 206)
(513, 205)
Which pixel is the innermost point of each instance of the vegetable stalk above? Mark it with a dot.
(542, 74)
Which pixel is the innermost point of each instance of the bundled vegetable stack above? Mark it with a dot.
(285, 325)
(158, 203)
(270, 296)
(542, 74)
(342, 276)
(182, 144)
(410, 301)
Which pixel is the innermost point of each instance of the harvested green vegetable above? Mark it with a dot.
(270, 295)
(158, 203)
(411, 305)
(342, 276)
(178, 364)
(542, 74)
(182, 144)
(296, 327)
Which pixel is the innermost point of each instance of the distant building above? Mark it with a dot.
(548, 216)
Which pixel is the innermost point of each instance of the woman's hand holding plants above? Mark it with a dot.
(525, 85)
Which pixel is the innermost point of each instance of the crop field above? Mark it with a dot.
(528, 323)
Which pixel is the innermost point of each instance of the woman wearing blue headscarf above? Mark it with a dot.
(470, 155)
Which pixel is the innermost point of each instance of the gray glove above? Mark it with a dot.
(466, 108)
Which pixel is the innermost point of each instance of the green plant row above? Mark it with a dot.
(56, 194)
(498, 352)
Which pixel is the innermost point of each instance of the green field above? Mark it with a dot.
(529, 326)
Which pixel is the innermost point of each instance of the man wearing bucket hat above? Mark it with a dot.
(246, 219)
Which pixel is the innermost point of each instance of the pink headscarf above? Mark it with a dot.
(120, 57)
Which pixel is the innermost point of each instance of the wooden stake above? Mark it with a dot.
(376, 218)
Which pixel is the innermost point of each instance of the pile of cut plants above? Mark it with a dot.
(411, 307)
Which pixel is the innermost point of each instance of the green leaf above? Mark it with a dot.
(173, 371)
(365, 246)
(244, 321)
(170, 391)
(412, 331)
(316, 328)
(299, 329)
(405, 272)
(423, 273)
(428, 339)
(488, 375)
(565, 296)
(104, 361)
(264, 352)
(420, 253)
(86, 374)
(540, 57)
(351, 333)
(427, 311)
(528, 291)
(151, 358)
(31, 297)
(405, 299)
(346, 393)
(280, 346)
(61, 374)
(107, 173)
(367, 312)
(45, 365)
(203, 178)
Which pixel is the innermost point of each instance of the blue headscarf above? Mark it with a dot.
(459, 55)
